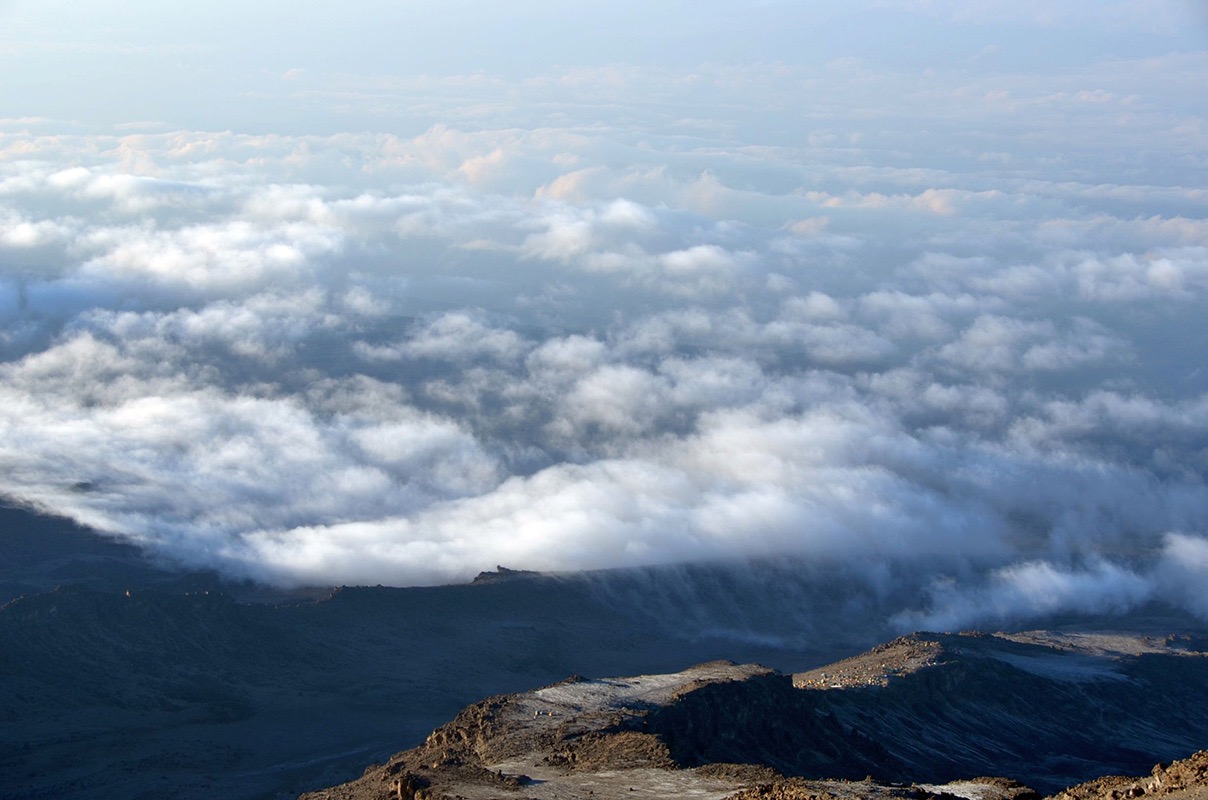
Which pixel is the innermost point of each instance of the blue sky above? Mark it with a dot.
(392, 293)
(224, 61)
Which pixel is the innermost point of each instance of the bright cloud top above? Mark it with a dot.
(628, 314)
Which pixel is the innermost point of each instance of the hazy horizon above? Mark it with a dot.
(394, 293)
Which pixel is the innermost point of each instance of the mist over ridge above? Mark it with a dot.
(929, 315)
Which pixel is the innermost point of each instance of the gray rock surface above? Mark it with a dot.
(922, 716)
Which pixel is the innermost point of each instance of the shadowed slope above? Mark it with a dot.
(1043, 709)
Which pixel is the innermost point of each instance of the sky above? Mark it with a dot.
(396, 292)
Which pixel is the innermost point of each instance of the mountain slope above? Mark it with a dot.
(104, 693)
(1048, 711)
(1045, 709)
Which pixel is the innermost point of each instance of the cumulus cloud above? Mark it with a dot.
(1002, 344)
(1031, 589)
(911, 319)
(1174, 573)
(458, 336)
(1182, 571)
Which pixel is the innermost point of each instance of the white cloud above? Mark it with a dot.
(458, 336)
(931, 319)
(1003, 344)
(1183, 570)
(19, 233)
(1030, 590)
(927, 317)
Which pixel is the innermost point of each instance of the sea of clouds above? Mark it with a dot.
(941, 321)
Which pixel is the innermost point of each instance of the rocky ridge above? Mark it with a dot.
(575, 738)
(856, 728)
(1181, 780)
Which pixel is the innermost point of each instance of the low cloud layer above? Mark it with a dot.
(722, 315)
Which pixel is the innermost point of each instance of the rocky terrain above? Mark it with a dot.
(130, 680)
(922, 716)
(124, 678)
(1182, 780)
